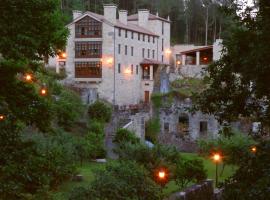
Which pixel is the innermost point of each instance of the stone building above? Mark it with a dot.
(115, 58)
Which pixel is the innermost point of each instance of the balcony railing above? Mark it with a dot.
(88, 72)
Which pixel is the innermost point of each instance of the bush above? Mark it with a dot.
(232, 148)
(68, 108)
(96, 127)
(152, 129)
(125, 136)
(121, 181)
(252, 179)
(188, 171)
(156, 99)
(95, 145)
(150, 158)
(100, 111)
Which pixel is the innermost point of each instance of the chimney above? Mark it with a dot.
(123, 16)
(76, 14)
(143, 16)
(110, 12)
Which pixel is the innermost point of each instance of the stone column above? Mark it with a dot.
(57, 67)
(151, 72)
(184, 59)
(197, 58)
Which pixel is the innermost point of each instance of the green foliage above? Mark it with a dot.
(150, 158)
(252, 179)
(95, 145)
(152, 129)
(125, 136)
(238, 81)
(33, 164)
(96, 127)
(189, 171)
(156, 99)
(120, 181)
(68, 107)
(100, 111)
(186, 87)
(232, 148)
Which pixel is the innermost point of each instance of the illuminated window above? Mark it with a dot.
(88, 28)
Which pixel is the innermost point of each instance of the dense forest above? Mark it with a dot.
(193, 21)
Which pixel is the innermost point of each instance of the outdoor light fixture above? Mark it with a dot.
(110, 61)
(253, 149)
(205, 58)
(216, 158)
(161, 174)
(63, 55)
(2, 117)
(28, 77)
(168, 51)
(178, 62)
(43, 91)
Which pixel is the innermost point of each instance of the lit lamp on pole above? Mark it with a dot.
(43, 91)
(162, 176)
(217, 159)
(28, 77)
(253, 149)
(2, 117)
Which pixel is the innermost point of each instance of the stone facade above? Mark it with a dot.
(131, 45)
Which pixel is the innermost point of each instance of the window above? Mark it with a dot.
(119, 32)
(88, 28)
(148, 53)
(162, 28)
(154, 40)
(88, 49)
(146, 73)
(119, 68)
(132, 35)
(143, 37)
(162, 58)
(149, 38)
(143, 52)
(153, 54)
(162, 45)
(132, 51)
(139, 36)
(131, 69)
(166, 127)
(126, 49)
(203, 127)
(88, 69)
(119, 48)
(126, 34)
(137, 69)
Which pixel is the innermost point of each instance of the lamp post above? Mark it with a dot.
(162, 176)
(217, 158)
(253, 149)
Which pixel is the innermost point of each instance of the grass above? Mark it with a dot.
(88, 168)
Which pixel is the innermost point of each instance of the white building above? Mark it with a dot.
(190, 60)
(115, 58)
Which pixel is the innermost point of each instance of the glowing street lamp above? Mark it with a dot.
(43, 91)
(162, 176)
(217, 159)
(253, 149)
(28, 77)
(63, 55)
(2, 117)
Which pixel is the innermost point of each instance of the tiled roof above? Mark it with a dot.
(151, 17)
(197, 49)
(152, 62)
(129, 26)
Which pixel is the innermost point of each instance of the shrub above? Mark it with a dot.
(125, 136)
(68, 108)
(232, 148)
(156, 99)
(152, 129)
(252, 179)
(96, 127)
(188, 171)
(121, 181)
(100, 111)
(95, 145)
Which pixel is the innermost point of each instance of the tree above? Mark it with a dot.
(238, 87)
(100, 111)
(120, 181)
